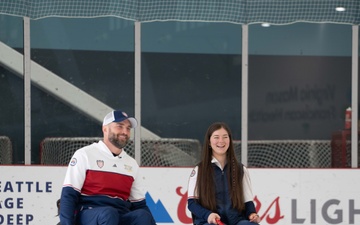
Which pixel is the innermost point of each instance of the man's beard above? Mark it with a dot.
(117, 142)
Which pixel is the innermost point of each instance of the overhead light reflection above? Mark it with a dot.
(340, 9)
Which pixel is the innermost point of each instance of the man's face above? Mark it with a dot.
(119, 133)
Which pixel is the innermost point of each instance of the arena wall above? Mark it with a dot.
(28, 195)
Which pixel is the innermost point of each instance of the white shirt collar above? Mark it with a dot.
(107, 150)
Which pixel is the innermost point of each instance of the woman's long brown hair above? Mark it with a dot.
(205, 180)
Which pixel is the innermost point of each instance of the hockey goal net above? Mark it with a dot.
(287, 153)
(186, 152)
(5, 150)
(162, 152)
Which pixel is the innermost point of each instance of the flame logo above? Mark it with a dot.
(181, 210)
(276, 217)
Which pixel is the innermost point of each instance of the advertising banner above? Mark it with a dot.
(28, 195)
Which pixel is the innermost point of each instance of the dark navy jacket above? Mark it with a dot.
(228, 214)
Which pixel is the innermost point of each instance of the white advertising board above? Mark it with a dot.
(28, 195)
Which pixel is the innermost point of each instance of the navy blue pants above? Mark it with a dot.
(110, 216)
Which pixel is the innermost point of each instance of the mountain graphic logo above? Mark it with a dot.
(158, 210)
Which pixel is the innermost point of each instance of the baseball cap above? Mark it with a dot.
(118, 116)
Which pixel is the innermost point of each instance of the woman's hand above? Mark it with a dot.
(254, 217)
(212, 218)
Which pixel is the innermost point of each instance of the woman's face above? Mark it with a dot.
(219, 142)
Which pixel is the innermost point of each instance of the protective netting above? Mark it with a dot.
(287, 153)
(233, 11)
(186, 152)
(163, 152)
(5, 150)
